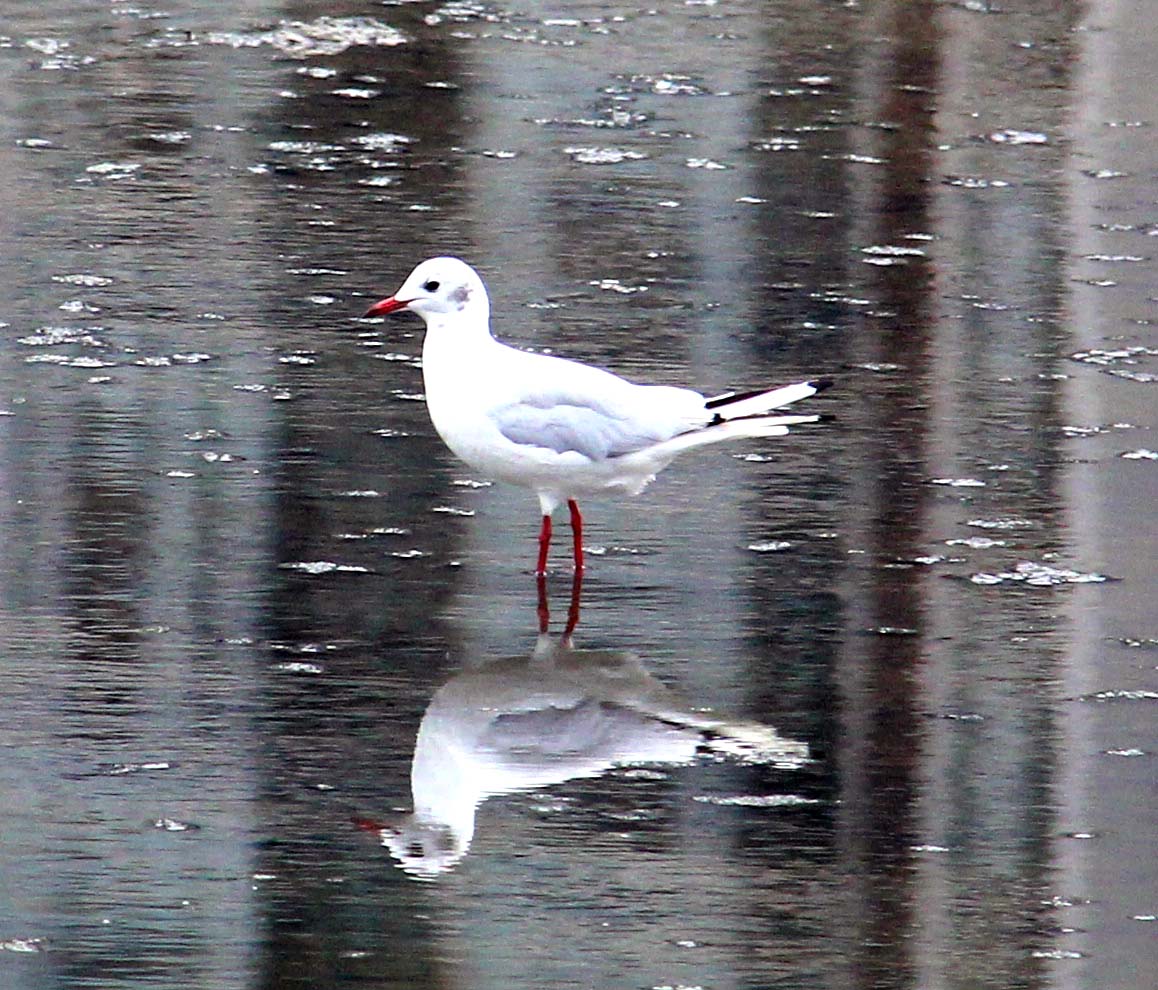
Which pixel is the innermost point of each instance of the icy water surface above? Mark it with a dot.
(868, 706)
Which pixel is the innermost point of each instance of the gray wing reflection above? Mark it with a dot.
(526, 723)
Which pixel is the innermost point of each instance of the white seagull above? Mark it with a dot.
(563, 429)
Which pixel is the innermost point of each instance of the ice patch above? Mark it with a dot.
(321, 36)
(1039, 576)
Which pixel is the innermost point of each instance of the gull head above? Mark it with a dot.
(439, 290)
(423, 846)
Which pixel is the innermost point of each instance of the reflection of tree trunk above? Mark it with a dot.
(1109, 510)
(882, 807)
(326, 444)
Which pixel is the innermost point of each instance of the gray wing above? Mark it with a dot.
(581, 424)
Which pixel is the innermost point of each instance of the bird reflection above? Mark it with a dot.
(527, 722)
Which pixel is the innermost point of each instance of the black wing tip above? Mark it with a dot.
(727, 398)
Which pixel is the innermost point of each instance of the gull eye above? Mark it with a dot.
(431, 286)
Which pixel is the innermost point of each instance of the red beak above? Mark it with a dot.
(384, 306)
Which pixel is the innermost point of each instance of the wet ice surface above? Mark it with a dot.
(872, 705)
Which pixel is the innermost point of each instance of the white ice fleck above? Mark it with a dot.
(114, 170)
(382, 141)
(758, 800)
(324, 567)
(976, 542)
(894, 251)
(173, 825)
(769, 546)
(602, 156)
(122, 768)
(298, 667)
(23, 945)
(1018, 137)
(69, 362)
(322, 36)
(614, 285)
(85, 279)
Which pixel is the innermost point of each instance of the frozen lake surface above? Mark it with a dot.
(869, 706)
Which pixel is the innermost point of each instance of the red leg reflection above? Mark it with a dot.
(370, 825)
(544, 608)
(544, 546)
(576, 533)
(573, 611)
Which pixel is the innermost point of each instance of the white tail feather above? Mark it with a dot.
(731, 429)
(732, 418)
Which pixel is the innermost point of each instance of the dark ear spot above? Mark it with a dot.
(460, 296)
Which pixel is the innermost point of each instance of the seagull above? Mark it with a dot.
(565, 430)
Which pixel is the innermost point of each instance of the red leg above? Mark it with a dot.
(544, 545)
(576, 533)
